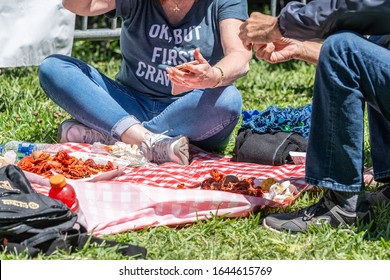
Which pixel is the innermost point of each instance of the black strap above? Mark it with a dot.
(41, 238)
(18, 248)
(79, 241)
(47, 241)
(51, 241)
(123, 248)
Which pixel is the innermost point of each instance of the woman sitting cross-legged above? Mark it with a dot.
(174, 86)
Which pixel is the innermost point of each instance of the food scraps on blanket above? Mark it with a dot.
(267, 188)
(71, 167)
(127, 152)
(9, 157)
(281, 192)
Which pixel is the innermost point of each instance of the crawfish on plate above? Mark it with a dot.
(231, 183)
(46, 165)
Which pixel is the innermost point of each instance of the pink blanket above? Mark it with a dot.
(148, 196)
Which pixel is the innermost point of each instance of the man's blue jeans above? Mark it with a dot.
(352, 72)
(206, 117)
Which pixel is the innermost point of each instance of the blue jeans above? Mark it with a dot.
(352, 73)
(206, 116)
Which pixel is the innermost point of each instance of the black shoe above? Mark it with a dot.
(323, 212)
(379, 196)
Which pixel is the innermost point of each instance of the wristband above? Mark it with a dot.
(222, 76)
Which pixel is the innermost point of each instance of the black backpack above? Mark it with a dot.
(32, 222)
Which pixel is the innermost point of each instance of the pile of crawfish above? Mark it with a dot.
(46, 165)
(231, 183)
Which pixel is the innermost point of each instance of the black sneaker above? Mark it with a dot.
(323, 212)
(379, 196)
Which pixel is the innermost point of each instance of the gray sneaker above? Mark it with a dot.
(379, 196)
(76, 132)
(323, 212)
(161, 148)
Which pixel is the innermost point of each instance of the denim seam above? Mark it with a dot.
(331, 139)
(216, 129)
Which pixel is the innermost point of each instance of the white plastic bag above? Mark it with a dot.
(30, 30)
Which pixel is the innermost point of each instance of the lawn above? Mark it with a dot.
(28, 115)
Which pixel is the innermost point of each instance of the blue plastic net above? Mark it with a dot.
(275, 119)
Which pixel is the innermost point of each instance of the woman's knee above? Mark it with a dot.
(49, 66)
(232, 100)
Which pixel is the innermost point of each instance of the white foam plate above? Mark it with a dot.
(100, 159)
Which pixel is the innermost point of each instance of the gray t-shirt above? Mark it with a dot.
(148, 40)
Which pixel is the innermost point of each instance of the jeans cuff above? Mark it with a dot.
(382, 177)
(124, 124)
(330, 184)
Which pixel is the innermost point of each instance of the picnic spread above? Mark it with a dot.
(142, 195)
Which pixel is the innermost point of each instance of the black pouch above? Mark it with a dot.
(33, 222)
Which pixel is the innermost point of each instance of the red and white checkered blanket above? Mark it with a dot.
(148, 196)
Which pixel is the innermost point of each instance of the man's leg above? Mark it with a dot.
(346, 78)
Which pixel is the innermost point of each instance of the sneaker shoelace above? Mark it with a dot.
(156, 147)
(311, 211)
(160, 151)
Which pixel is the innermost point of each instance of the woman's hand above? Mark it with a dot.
(89, 7)
(195, 74)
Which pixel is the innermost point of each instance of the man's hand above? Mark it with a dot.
(286, 49)
(279, 51)
(259, 29)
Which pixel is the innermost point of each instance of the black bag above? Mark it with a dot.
(33, 222)
(267, 148)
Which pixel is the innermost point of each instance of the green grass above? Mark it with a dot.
(28, 115)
